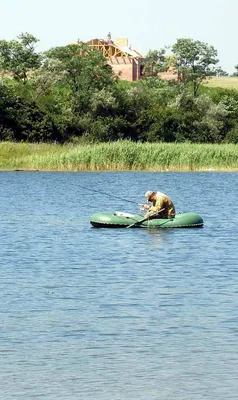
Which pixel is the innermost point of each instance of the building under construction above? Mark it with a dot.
(125, 61)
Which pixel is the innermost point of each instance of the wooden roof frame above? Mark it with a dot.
(109, 49)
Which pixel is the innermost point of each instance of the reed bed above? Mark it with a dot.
(121, 155)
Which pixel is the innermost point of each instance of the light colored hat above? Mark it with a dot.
(148, 194)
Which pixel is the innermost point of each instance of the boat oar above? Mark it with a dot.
(145, 218)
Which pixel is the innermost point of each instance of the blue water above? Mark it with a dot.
(121, 314)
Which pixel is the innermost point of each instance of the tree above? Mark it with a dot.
(154, 62)
(200, 119)
(236, 72)
(21, 120)
(195, 62)
(18, 57)
(221, 72)
(80, 69)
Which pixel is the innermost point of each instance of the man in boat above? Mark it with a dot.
(160, 201)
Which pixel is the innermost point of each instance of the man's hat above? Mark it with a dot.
(148, 194)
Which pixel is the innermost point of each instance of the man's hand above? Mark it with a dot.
(144, 206)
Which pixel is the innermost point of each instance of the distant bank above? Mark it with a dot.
(119, 156)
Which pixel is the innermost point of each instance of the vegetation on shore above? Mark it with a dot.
(70, 94)
(120, 155)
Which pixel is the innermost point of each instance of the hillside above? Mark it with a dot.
(227, 82)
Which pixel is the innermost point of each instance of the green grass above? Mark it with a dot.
(122, 155)
(225, 82)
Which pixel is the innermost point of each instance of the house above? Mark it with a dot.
(125, 61)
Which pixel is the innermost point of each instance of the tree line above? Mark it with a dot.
(70, 94)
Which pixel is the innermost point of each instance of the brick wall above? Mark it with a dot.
(127, 68)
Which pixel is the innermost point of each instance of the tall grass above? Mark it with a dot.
(122, 155)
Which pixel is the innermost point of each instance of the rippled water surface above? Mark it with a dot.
(121, 314)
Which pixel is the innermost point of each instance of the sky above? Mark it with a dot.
(148, 24)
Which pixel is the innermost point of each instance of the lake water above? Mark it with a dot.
(117, 314)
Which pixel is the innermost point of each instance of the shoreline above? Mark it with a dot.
(125, 170)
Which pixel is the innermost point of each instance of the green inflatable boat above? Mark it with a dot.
(125, 220)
